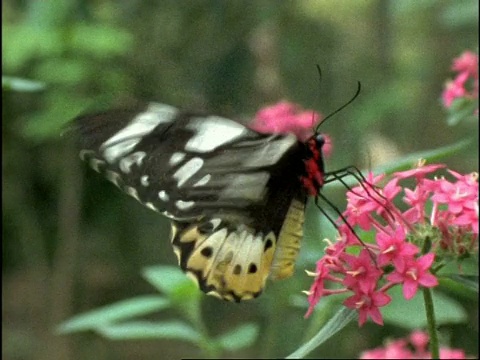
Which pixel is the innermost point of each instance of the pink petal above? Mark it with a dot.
(376, 316)
(428, 280)
(409, 289)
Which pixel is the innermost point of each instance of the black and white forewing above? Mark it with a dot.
(185, 166)
(233, 194)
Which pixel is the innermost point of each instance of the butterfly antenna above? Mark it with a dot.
(319, 70)
(359, 86)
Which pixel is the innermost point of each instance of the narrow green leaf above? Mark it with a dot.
(144, 330)
(433, 155)
(470, 281)
(11, 83)
(467, 266)
(121, 310)
(341, 319)
(407, 162)
(241, 337)
(462, 109)
(410, 314)
(167, 279)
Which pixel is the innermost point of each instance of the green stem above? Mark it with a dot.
(432, 327)
(208, 346)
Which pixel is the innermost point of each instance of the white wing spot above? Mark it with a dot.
(132, 192)
(126, 163)
(113, 177)
(127, 138)
(95, 164)
(169, 215)
(247, 186)
(176, 158)
(215, 223)
(151, 206)
(84, 153)
(204, 180)
(211, 132)
(163, 196)
(271, 152)
(188, 170)
(144, 180)
(184, 205)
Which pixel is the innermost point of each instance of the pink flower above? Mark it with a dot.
(361, 272)
(459, 195)
(465, 84)
(446, 353)
(441, 218)
(362, 202)
(414, 273)
(367, 305)
(461, 198)
(394, 248)
(453, 90)
(468, 219)
(419, 172)
(317, 290)
(285, 117)
(419, 339)
(467, 62)
(416, 198)
(412, 347)
(394, 350)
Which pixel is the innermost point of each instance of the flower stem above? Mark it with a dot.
(432, 327)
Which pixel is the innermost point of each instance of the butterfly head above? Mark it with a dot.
(313, 177)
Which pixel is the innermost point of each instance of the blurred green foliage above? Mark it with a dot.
(73, 243)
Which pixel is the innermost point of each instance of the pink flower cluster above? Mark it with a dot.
(413, 347)
(438, 222)
(286, 117)
(465, 84)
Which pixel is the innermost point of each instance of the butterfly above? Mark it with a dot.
(235, 197)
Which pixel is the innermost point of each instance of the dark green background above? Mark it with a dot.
(72, 242)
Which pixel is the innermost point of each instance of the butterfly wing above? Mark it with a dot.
(233, 195)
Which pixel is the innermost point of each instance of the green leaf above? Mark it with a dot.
(143, 330)
(341, 319)
(407, 162)
(467, 266)
(470, 281)
(462, 109)
(10, 83)
(181, 290)
(101, 41)
(24, 42)
(167, 279)
(433, 155)
(410, 314)
(241, 337)
(115, 312)
(50, 123)
(63, 71)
